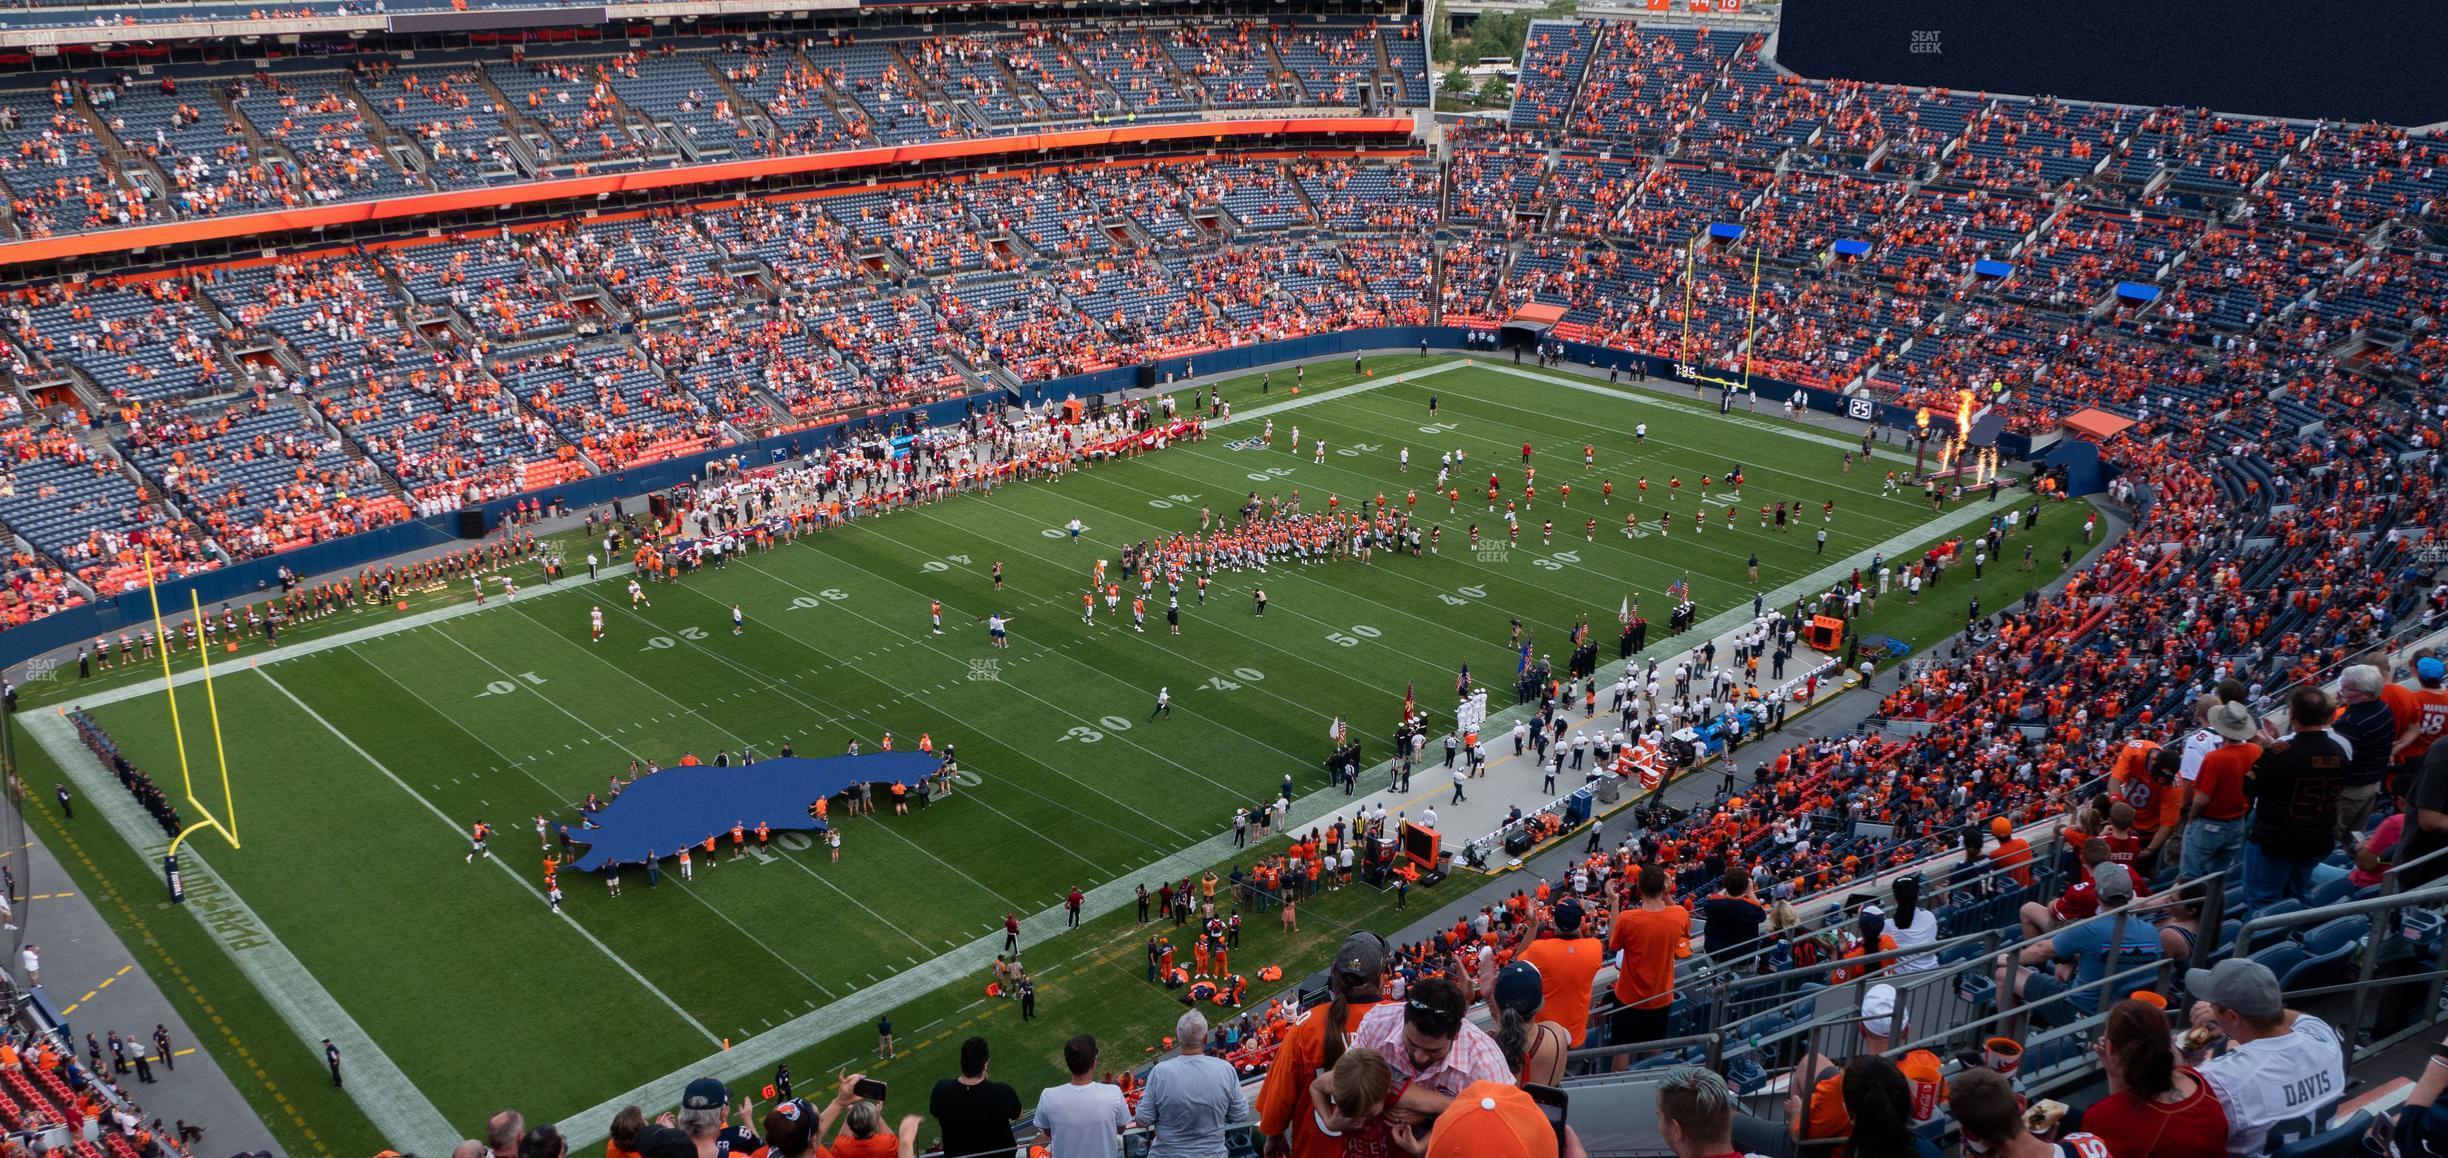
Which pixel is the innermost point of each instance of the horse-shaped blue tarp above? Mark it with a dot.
(676, 808)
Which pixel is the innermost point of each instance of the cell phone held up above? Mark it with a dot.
(1552, 1102)
(870, 1089)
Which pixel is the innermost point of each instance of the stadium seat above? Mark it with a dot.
(2280, 957)
(2329, 892)
(2281, 907)
(2330, 954)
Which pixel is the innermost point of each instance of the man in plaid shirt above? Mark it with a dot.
(1432, 1048)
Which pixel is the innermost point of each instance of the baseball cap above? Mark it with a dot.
(2248, 987)
(2002, 827)
(1492, 1120)
(705, 1094)
(1878, 1010)
(1872, 921)
(2114, 882)
(1518, 987)
(2429, 667)
(1362, 957)
(1568, 915)
(2079, 902)
(663, 1142)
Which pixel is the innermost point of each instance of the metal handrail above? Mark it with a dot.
(2430, 895)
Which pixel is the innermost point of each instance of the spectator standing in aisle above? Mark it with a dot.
(1646, 938)
(2369, 730)
(1082, 1118)
(975, 1115)
(1191, 1098)
(2215, 803)
(1567, 966)
(2294, 788)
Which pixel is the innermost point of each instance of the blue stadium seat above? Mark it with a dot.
(2330, 892)
(2329, 955)
(2281, 907)
(2281, 957)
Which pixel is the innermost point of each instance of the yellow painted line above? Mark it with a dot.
(72, 1008)
(136, 920)
(50, 896)
(123, 971)
(89, 994)
(184, 1052)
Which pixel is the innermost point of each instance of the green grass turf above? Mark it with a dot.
(281, 1078)
(462, 975)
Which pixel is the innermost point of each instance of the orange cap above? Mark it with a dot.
(1492, 1120)
(2002, 826)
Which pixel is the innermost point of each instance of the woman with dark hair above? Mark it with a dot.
(1912, 926)
(2155, 1108)
(1285, 1120)
(1879, 1102)
(1972, 873)
(1535, 1049)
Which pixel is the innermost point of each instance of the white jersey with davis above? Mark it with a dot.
(2279, 1089)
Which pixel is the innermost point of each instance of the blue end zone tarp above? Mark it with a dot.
(2137, 291)
(1726, 231)
(1851, 248)
(1987, 267)
(660, 814)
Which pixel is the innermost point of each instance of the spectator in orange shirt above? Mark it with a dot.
(1567, 965)
(2013, 853)
(1646, 940)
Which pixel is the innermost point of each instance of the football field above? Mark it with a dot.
(362, 751)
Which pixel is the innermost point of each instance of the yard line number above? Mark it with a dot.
(505, 687)
(1232, 681)
(1088, 735)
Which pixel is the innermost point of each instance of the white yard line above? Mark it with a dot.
(399, 1110)
(349, 638)
(453, 825)
(1255, 413)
